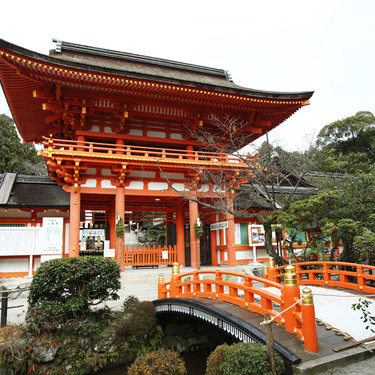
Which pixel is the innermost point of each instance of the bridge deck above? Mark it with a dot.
(328, 339)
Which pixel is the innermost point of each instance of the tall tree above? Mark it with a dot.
(341, 216)
(347, 145)
(267, 180)
(16, 156)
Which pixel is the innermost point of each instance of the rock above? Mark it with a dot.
(43, 355)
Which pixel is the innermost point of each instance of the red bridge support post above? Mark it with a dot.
(174, 279)
(310, 336)
(291, 294)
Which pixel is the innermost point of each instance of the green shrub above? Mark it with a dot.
(248, 359)
(214, 361)
(139, 319)
(160, 362)
(65, 288)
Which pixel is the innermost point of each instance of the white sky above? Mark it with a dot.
(326, 46)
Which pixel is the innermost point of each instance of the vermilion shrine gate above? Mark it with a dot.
(117, 133)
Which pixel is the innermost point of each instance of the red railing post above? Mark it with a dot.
(290, 295)
(196, 284)
(174, 279)
(271, 269)
(161, 293)
(219, 289)
(265, 275)
(310, 337)
(326, 274)
(361, 281)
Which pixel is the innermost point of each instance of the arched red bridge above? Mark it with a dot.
(236, 302)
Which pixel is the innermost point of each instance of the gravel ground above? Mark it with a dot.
(365, 367)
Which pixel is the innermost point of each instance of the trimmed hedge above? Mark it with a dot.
(159, 362)
(65, 288)
(242, 359)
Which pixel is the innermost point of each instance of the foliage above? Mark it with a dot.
(16, 157)
(215, 360)
(248, 359)
(139, 319)
(156, 233)
(348, 145)
(65, 288)
(120, 227)
(160, 362)
(363, 305)
(198, 229)
(339, 215)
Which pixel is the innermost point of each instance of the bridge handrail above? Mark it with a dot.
(330, 274)
(246, 295)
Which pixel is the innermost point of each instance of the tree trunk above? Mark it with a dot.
(268, 244)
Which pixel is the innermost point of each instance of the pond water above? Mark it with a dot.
(195, 364)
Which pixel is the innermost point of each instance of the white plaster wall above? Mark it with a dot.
(107, 184)
(95, 128)
(244, 254)
(156, 134)
(204, 188)
(157, 186)
(108, 129)
(91, 182)
(176, 136)
(180, 187)
(14, 265)
(138, 132)
(136, 185)
(66, 242)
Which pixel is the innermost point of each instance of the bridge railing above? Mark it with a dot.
(353, 276)
(284, 306)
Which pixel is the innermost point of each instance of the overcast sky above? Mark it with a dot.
(326, 46)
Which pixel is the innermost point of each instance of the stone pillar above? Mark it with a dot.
(180, 233)
(75, 215)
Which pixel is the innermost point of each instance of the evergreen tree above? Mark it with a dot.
(16, 157)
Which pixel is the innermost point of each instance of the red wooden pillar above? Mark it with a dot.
(230, 240)
(180, 233)
(112, 224)
(213, 234)
(75, 215)
(120, 210)
(193, 215)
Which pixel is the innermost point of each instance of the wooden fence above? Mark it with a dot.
(149, 256)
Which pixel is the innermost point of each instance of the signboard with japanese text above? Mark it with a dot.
(219, 225)
(52, 234)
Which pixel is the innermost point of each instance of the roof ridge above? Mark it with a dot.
(143, 59)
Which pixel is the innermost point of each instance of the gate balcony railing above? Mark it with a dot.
(107, 152)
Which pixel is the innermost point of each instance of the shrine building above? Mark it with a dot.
(119, 139)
